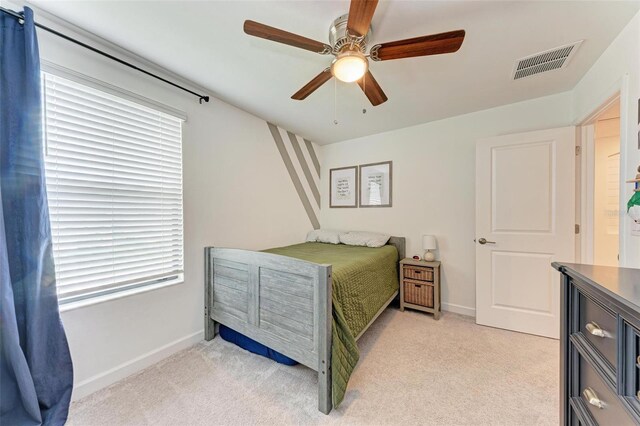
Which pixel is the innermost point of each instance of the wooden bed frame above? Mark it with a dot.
(279, 301)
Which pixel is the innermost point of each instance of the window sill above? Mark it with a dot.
(64, 307)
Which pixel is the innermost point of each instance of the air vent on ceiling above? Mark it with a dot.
(545, 61)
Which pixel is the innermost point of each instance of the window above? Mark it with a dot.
(114, 183)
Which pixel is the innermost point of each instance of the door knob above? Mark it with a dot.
(484, 241)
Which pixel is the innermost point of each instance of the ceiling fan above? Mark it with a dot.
(348, 37)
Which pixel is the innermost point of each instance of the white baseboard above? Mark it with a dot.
(459, 309)
(104, 379)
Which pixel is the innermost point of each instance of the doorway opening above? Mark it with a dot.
(600, 186)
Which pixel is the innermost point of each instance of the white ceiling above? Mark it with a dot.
(204, 42)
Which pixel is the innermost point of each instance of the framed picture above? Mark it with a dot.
(375, 184)
(343, 187)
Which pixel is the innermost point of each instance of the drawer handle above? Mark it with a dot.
(595, 329)
(592, 398)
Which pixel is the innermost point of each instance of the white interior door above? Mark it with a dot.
(524, 221)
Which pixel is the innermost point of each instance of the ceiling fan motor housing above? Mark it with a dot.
(339, 39)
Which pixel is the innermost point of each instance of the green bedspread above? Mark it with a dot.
(364, 279)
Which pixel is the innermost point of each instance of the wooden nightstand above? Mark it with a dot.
(420, 286)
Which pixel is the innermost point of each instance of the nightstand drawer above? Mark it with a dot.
(418, 293)
(418, 273)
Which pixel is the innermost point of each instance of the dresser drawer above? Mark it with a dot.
(600, 400)
(630, 366)
(418, 293)
(418, 273)
(599, 327)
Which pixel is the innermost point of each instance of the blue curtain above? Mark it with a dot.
(36, 374)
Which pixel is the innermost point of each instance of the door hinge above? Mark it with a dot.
(577, 228)
(578, 150)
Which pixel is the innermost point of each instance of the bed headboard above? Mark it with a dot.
(400, 244)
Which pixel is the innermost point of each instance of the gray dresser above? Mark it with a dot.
(600, 345)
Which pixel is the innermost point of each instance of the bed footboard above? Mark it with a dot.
(281, 302)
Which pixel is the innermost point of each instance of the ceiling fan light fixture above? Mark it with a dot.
(348, 39)
(349, 66)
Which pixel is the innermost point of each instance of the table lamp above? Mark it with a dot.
(428, 244)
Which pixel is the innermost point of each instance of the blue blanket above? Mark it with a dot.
(252, 346)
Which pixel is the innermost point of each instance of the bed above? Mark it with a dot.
(309, 301)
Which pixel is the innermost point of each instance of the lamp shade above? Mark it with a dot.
(428, 242)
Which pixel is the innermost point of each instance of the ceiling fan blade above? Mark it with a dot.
(434, 44)
(360, 15)
(257, 29)
(311, 86)
(372, 89)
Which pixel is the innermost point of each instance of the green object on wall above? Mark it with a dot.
(633, 201)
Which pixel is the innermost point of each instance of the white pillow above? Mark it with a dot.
(329, 236)
(361, 238)
(324, 236)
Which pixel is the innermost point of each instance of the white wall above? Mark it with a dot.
(434, 184)
(618, 69)
(236, 193)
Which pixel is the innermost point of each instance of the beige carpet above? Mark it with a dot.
(413, 370)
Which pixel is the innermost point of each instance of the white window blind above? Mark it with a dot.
(114, 183)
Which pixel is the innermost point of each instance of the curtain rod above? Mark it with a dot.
(20, 17)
